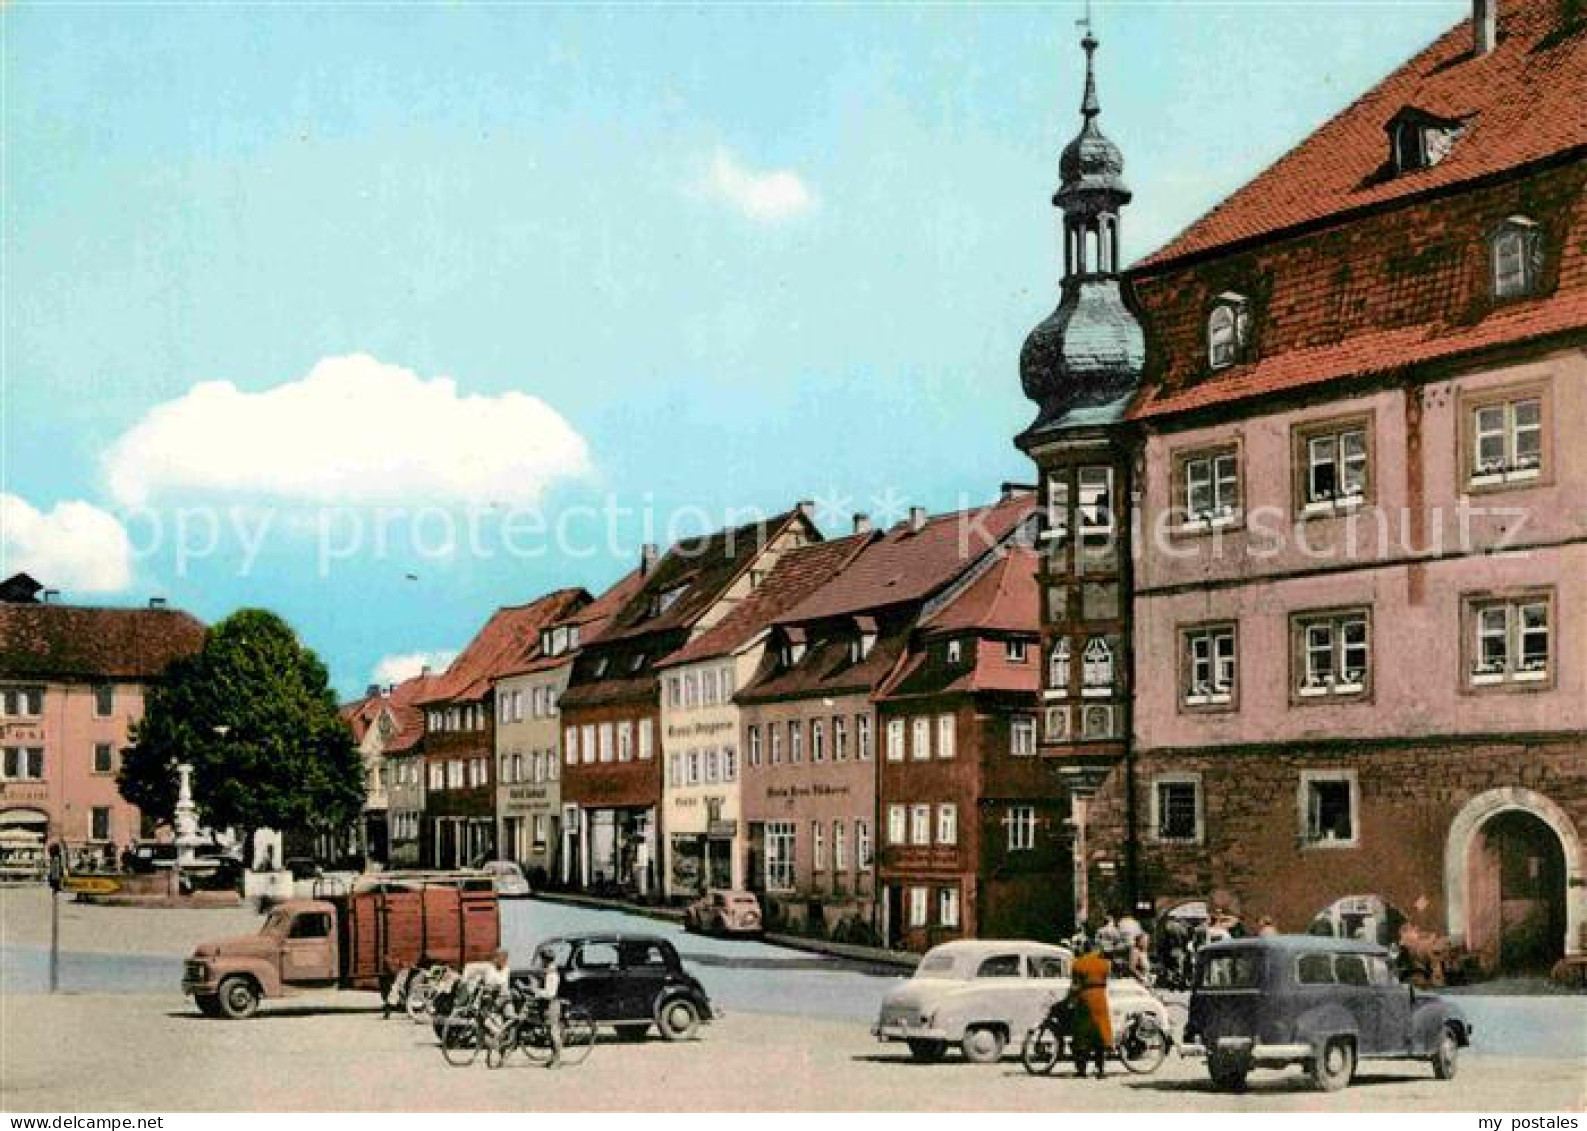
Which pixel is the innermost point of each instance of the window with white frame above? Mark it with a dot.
(1057, 724)
(918, 906)
(840, 739)
(506, 708)
(1057, 528)
(1096, 500)
(608, 746)
(437, 775)
(895, 740)
(587, 740)
(1210, 488)
(1228, 331)
(948, 907)
(1176, 808)
(553, 769)
(897, 824)
(948, 823)
(752, 737)
(1208, 671)
(862, 845)
(625, 741)
(454, 775)
(504, 769)
(779, 856)
(1517, 258)
(818, 741)
(1058, 665)
(1022, 736)
(840, 847)
(946, 747)
(647, 739)
(691, 763)
(1329, 806)
(1506, 443)
(1096, 667)
(691, 690)
(1511, 639)
(674, 691)
(1021, 822)
(774, 741)
(713, 767)
(920, 824)
(24, 763)
(818, 846)
(862, 739)
(1334, 653)
(729, 764)
(726, 679)
(675, 769)
(953, 652)
(1014, 651)
(22, 702)
(1336, 466)
(920, 746)
(796, 742)
(104, 758)
(570, 745)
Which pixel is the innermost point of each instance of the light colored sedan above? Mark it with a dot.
(983, 994)
(723, 913)
(509, 879)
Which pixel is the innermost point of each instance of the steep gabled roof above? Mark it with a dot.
(1520, 103)
(401, 701)
(591, 620)
(47, 641)
(828, 668)
(797, 574)
(1005, 598)
(905, 565)
(509, 638)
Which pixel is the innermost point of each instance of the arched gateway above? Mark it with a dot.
(1513, 880)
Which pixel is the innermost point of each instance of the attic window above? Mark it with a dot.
(955, 652)
(792, 653)
(598, 670)
(636, 661)
(1419, 140)
(667, 598)
(1517, 255)
(1228, 330)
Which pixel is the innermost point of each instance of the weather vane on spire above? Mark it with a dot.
(1085, 20)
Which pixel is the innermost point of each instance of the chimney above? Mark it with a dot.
(862, 523)
(371, 691)
(156, 602)
(50, 597)
(647, 558)
(807, 508)
(917, 518)
(1009, 490)
(424, 671)
(386, 691)
(1484, 26)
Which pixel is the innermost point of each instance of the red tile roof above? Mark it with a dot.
(905, 565)
(401, 701)
(1521, 102)
(797, 574)
(827, 669)
(591, 620)
(509, 638)
(1005, 598)
(46, 641)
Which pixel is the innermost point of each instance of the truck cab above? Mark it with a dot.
(297, 947)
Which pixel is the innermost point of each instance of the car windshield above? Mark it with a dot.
(936, 966)
(1240, 970)
(275, 923)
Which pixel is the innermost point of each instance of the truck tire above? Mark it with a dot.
(1446, 1054)
(208, 1004)
(677, 1018)
(1332, 1070)
(238, 997)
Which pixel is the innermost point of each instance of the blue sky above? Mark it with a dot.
(686, 257)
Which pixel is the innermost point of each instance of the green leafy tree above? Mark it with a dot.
(254, 715)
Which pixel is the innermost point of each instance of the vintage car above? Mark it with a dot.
(720, 912)
(983, 994)
(509, 878)
(630, 982)
(1326, 1004)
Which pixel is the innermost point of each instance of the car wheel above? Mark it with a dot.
(983, 1044)
(238, 997)
(1228, 1071)
(1446, 1057)
(1332, 1070)
(632, 1032)
(678, 1019)
(927, 1052)
(208, 1004)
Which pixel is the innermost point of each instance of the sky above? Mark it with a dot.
(384, 316)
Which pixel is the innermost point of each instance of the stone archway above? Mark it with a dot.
(1466, 834)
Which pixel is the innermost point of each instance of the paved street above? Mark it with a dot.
(795, 1038)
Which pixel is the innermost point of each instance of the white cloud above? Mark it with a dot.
(778, 194)
(354, 430)
(395, 669)
(76, 547)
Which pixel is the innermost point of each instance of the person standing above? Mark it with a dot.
(1091, 1033)
(1140, 962)
(546, 993)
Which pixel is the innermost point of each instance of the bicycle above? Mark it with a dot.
(1141, 1047)
(462, 1030)
(528, 1029)
(422, 986)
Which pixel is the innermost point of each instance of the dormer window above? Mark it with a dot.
(667, 598)
(1228, 330)
(1419, 140)
(1517, 258)
(955, 652)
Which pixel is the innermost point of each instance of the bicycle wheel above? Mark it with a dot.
(418, 995)
(1041, 1051)
(1144, 1046)
(535, 1041)
(461, 1038)
(499, 1036)
(578, 1036)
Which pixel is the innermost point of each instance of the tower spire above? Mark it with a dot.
(1089, 107)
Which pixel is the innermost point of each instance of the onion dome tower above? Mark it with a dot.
(1082, 364)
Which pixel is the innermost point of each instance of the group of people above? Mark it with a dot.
(492, 981)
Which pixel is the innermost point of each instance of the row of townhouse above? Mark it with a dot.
(1313, 542)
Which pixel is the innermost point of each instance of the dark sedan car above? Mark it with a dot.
(1325, 1004)
(630, 982)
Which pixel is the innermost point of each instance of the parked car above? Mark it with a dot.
(723, 913)
(630, 982)
(150, 856)
(1325, 1004)
(510, 881)
(983, 994)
